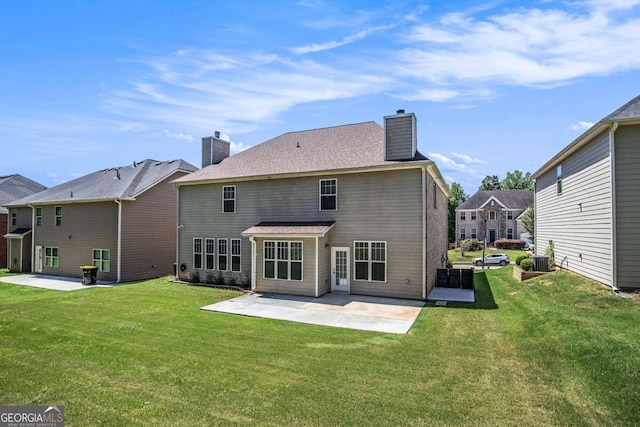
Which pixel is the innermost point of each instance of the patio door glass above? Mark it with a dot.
(340, 269)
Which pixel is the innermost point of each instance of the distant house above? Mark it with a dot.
(587, 201)
(353, 208)
(12, 187)
(495, 214)
(123, 220)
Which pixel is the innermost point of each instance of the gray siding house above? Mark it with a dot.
(121, 220)
(13, 187)
(353, 208)
(494, 214)
(587, 200)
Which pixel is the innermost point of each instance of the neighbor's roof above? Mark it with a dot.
(629, 113)
(14, 187)
(511, 199)
(110, 184)
(333, 148)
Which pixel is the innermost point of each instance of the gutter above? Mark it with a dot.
(119, 257)
(33, 242)
(612, 154)
(423, 238)
(253, 262)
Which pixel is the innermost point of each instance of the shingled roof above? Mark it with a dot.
(121, 182)
(14, 187)
(511, 199)
(343, 147)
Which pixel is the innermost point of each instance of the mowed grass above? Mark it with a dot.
(558, 350)
(455, 256)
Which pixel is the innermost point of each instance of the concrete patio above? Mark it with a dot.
(55, 283)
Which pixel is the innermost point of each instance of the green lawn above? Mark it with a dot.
(456, 257)
(558, 350)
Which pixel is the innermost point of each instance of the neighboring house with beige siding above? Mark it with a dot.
(587, 199)
(353, 208)
(492, 214)
(13, 187)
(120, 219)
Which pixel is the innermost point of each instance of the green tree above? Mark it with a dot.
(528, 222)
(490, 183)
(457, 196)
(517, 180)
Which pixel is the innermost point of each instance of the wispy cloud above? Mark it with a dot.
(581, 126)
(467, 159)
(318, 47)
(181, 136)
(448, 164)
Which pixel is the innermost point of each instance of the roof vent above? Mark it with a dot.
(400, 112)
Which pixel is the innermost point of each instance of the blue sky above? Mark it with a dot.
(496, 86)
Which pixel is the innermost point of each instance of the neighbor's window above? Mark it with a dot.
(223, 254)
(14, 217)
(493, 215)
(559, 179)
(209, 253)
(235, 255)
(509, 233)
(283, 260)
(463, 216)
(463, 233)
(371, 261)
(58, 215)
(51, 257)
(102, 259)
(509, 214)
(473, 216)
(229, 198)
(328, 194)
(197, 252)
(474, 234)
(38, 216)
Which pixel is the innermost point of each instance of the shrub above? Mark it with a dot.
(515, 244)
(218, 279)
(471, 245)
(230, 279)
(194, 277)
(209, 278)
(526, 265)
(245, 281)
(520, 258)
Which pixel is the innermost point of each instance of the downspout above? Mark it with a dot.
(177, 232)
(253, 262)
(535, 229)
(33, 241)
(119, 257)
(612, 154)
(424, 233)
(317, 260)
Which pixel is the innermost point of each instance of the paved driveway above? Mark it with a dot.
(55, 283)
(342, 311)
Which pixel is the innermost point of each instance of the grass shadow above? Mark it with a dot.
(483, 295)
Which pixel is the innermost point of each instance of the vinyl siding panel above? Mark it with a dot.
(579, 220)
(4, 227)
(305, 287)
(324, 266)
(149, 232)
(85, 226)
(437, 238)
(627, 158)
(399, 133)
(372, 206)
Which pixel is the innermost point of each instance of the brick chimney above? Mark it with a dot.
(400, 136)
(214, 149)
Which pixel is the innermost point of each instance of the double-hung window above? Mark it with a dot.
(463, 233)
(474, 234)
(283, 260)
(370, 261)
(38, 216)
(223, 254)
(328, 194)
(509, 214)
(236, 265)
(14, 217)
(102, 259)
(197, 252)
(209, 253)
(493, 215)
(473, 216)
(58, 215)
(559, 179)
(463, 216)
(509, 233)
(51, 257)
(229, 198)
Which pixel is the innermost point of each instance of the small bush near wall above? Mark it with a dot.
(471, 245)
(509, 244)
(526, 264)
(194, 277)
(521, 258)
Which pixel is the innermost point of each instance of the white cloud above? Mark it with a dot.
(181, 136)
(581, 126)
(446, 163)
(467, 159)
(317, 47)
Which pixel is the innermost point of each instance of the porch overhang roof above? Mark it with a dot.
(289, 229)
(18, 233)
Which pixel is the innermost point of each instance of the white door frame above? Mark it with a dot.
(340, 284)
(39, 261)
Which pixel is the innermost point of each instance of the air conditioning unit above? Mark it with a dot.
(540, 263)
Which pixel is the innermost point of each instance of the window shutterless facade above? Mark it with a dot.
(473, 216)
(38, 216)
(58, 218)
(493, 215)
(328, 194)
(229, 198)
(509, 233)
(223, 254)
(283, 260)
(102, 259)
(474, 234)
(14, 217)
(197, 252)
(509, 214)
(236, 255)
(370, 261)
(463, 216)
(463, 233)
(51, 257)
(209, 254)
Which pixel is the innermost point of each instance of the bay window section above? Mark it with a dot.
(370, 261)
(283, 260)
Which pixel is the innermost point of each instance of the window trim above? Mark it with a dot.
(194, 253)
(474, 233)
(237, 255)
(493, 214)
(509, 214)
(233, 199)
(208, 254)
(370, 260)
(463, 233)
(473, 216)
(38, 216)
(559, 179)
(51, 257)
(276, 260)
(509, 232)
(463, 216)
(225, 254)
(58, 216)
(14, 217)
(321, 195)
(99, 262)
